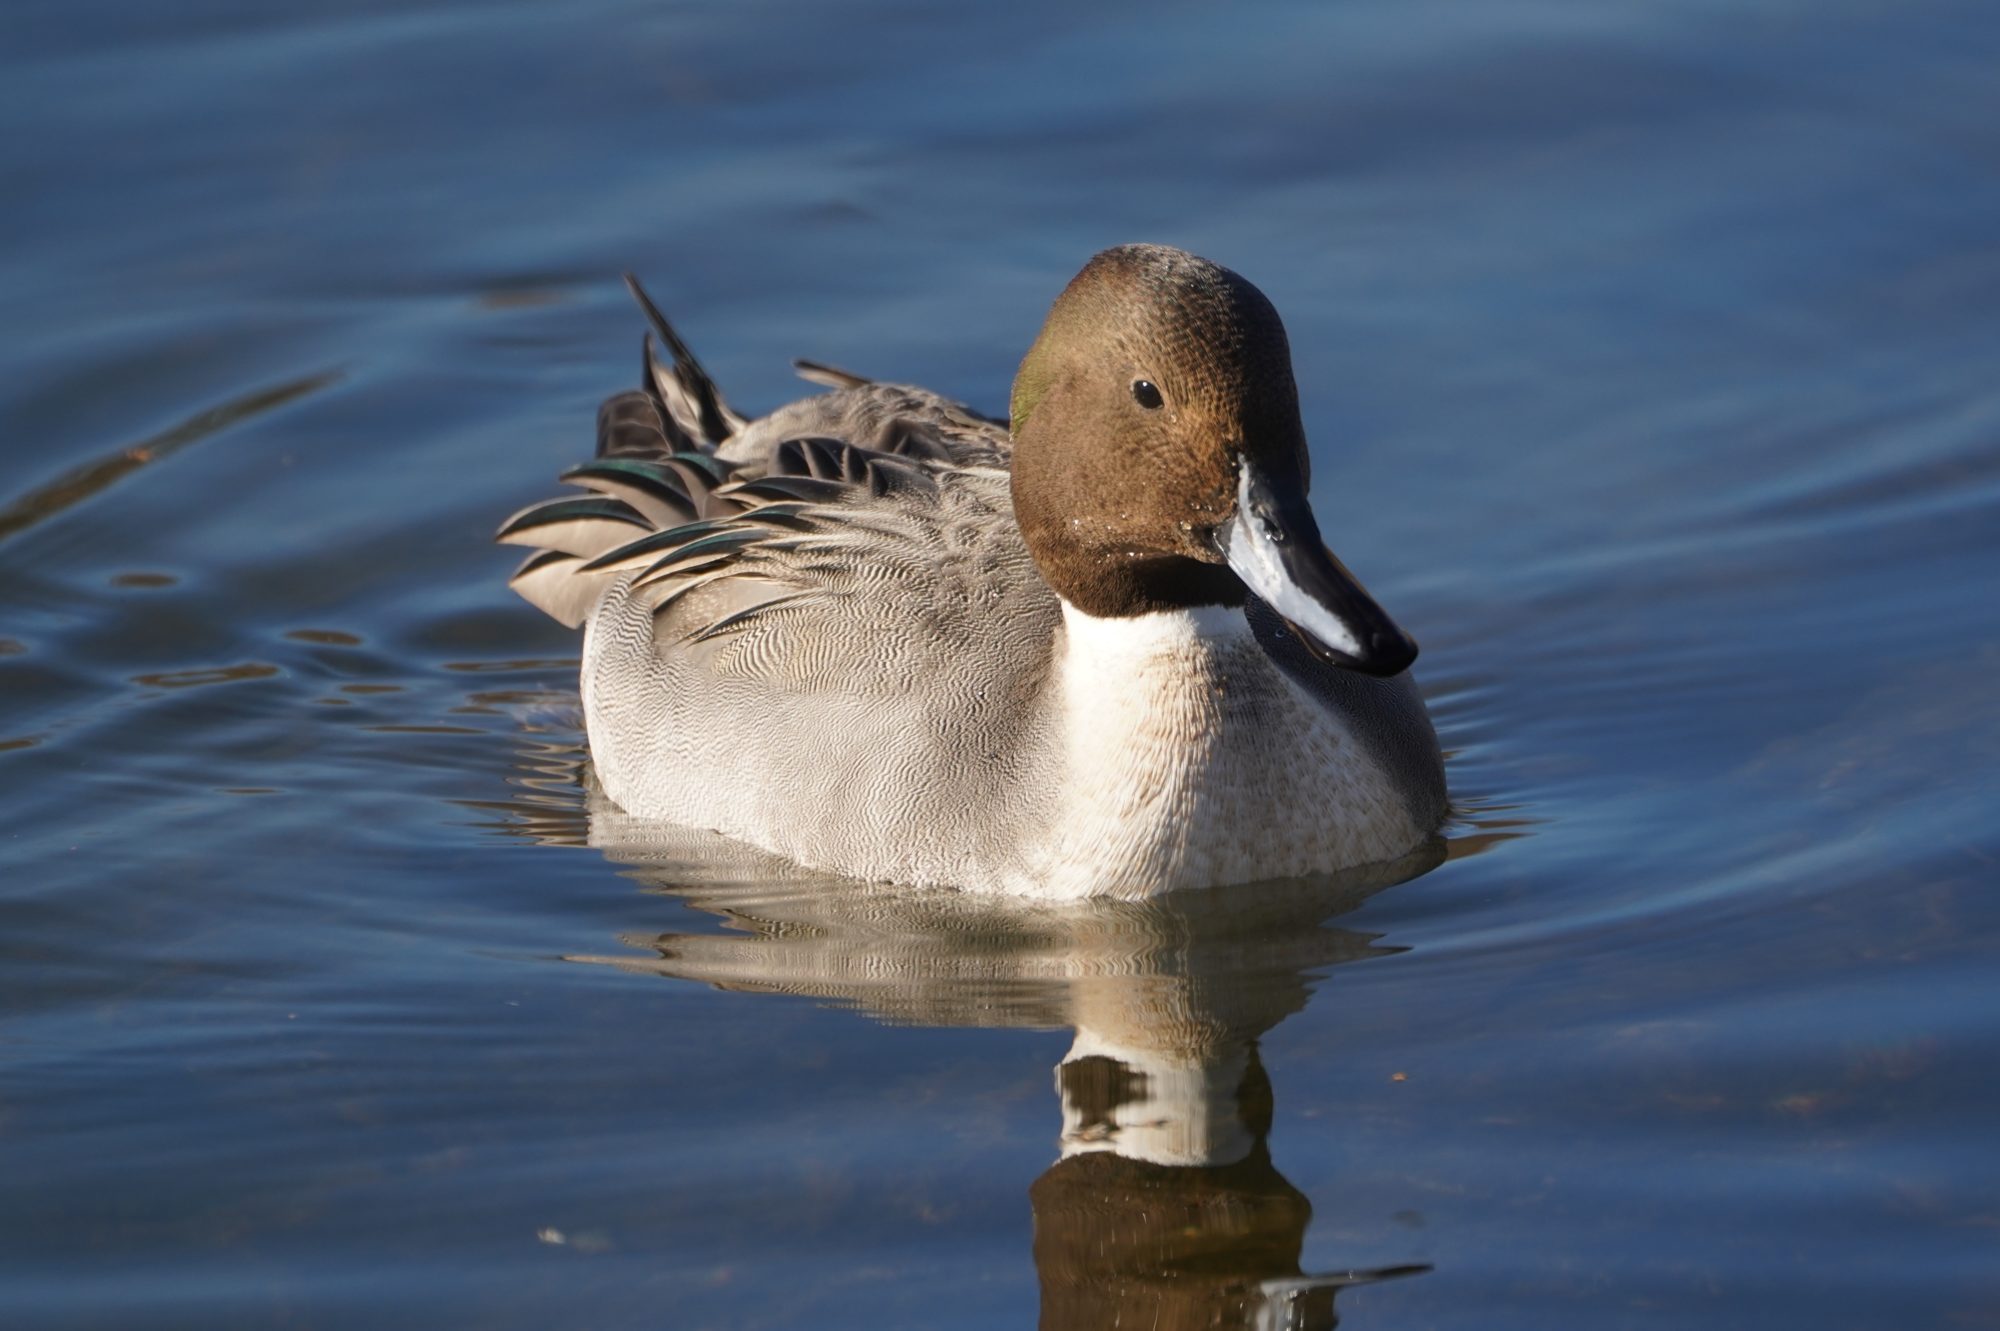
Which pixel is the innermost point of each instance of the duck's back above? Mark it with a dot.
(820, 632)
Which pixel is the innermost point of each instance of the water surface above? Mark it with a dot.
(1648, 355)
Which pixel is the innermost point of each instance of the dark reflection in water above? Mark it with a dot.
(1121, 1240)
(91, 478)
(194, 679)
(1164, 1208)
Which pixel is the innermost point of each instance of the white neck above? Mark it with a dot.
(1137, 637)
(1140, 722)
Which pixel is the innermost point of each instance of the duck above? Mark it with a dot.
(1096, 649)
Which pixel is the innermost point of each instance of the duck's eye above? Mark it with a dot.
(1146, 395)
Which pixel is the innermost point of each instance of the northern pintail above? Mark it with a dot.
(1099, 649)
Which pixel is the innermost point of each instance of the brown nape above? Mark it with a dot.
(1119, 501)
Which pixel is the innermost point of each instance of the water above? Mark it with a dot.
(1649, 356)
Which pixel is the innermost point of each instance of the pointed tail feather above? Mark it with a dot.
(684, 389)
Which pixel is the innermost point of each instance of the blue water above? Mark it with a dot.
(1649, 357)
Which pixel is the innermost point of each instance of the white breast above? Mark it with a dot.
(1189, 759)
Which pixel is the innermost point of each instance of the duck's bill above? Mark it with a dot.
(1274, 545)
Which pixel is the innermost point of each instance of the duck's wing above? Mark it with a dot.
(663, 513)
(632, 494)
(674, 452)
(837, 568)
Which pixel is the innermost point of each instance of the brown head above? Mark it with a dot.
(1159, 461)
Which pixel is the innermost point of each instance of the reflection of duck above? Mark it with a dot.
(1134, 1240)
(1103, 652)
(1165, 1209)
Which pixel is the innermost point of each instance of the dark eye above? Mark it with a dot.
(1146, 395)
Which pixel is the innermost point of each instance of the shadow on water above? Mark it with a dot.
(1164, 1207)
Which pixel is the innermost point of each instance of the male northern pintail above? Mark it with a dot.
(1101, 651)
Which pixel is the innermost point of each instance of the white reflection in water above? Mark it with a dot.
(1163, 1207)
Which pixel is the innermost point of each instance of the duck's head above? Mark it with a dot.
(1159, 461)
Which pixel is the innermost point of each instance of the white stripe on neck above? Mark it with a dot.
(1152, 632)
